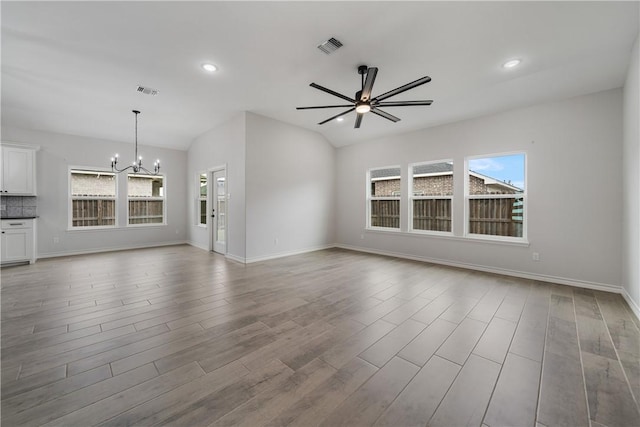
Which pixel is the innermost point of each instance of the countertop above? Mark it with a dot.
(18, 217)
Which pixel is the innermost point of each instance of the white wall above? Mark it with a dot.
(280, 179)
(574, 149)
(631, 182)
(57, 153)
(223, 145)
(290, 180)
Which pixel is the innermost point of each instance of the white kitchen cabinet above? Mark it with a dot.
(17, 241)
(18, 170)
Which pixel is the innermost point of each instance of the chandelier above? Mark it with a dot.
(136, 165)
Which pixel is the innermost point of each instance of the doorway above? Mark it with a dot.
(218, 210)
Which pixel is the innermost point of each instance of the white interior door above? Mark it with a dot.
(218, 211)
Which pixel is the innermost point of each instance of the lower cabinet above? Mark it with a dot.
(18, 241)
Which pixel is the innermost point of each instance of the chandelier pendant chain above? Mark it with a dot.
(135, 157)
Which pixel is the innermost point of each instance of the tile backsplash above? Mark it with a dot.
(17, 206)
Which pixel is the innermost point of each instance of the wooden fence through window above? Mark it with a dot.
(146, 212)
(385, 213)
(432, 214)
(496, 217)
(93, 212)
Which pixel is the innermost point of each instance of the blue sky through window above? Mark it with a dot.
(504, 168)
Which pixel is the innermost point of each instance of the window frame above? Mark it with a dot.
(200, 199)
(468, 197)
(150, 199)
(370, 198)
(412, 197)
(71, 198)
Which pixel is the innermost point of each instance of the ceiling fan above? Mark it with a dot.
(364, 103)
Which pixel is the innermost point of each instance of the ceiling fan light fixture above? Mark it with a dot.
(511, 63)
(362, 107)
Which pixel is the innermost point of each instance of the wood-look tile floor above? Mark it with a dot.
(179, 336)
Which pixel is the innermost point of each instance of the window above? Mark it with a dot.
(431, 196)
(384, 198)
(145, 197)
(496, 196)
(202, 199)
(92, 198)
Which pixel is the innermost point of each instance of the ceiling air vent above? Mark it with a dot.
(147, 90)
(330, 46)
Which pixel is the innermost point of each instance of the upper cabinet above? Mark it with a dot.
(18, 170)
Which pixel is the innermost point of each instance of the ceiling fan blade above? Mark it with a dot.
(337, 115)
(339, 95)
(358, 120)
(402, 103)
(396, 91)
(368, 84)
(384, 114)
(323, 106)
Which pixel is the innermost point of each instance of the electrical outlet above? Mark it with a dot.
(362, 236)
(536, 256)
(56, 240)
(275, 241)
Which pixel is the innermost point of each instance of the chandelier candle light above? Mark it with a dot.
(136, 166)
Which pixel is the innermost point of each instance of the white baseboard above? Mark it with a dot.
(286, 254)
(279, 255)
(109, 249)
(514, 273)
(197, 245)
(273, 256)
(635, 308)
(228, 256)
(236, 258)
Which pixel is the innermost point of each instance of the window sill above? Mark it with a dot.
(384, 230)
(106, 228)
(448, 236)
(145, 225)
(114, 228)
(515, 241)
(431, 233)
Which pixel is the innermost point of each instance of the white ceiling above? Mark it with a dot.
(73, 67)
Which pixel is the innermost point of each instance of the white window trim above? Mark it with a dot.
(434, 235)
(467, 197)
(70, 199)
(369, 198)
(199, 199)
(149, 199)
(412, 197)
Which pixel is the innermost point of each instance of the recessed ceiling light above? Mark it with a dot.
(209, 68)
(511, 63)
(340, 119)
